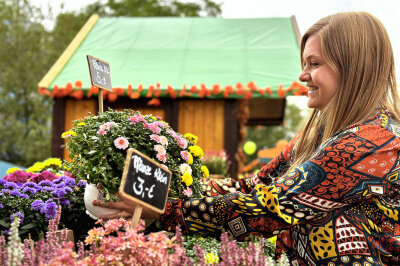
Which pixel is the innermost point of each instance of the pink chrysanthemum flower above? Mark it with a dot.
(188, 192)
(101, 132)
(162, 157)
(185, 155)
(121, 143)
(183, 143)
(136, 119)
(153, 127)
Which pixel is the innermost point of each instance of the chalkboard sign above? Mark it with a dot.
(145, 181)
(99, 73)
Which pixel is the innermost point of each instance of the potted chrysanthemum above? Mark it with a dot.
(98, 146)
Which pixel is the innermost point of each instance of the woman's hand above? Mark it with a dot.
(126, 210)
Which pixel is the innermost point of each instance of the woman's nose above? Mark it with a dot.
(304, 76)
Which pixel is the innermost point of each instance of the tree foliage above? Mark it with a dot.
(28, 50)
(24, 114)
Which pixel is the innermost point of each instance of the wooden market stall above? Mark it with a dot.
(196, 73)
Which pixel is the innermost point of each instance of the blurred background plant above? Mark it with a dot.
(217, 162)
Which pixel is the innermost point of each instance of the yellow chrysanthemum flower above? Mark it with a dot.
(36, 167)
(68, 134)
(53, 161)
(205, 171)
(196, 151)
(191, 137)
(211, 258)
(187, 179)
(190, 161)
(272, 240)
(12, 170)
(81, 124)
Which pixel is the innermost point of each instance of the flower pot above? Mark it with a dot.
(91, 194)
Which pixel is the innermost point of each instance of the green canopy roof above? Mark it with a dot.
(178, 53)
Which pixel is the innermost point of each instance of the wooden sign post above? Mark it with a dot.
(100, 76)
(145, 183)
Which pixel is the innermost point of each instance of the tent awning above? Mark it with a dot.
(182, 57)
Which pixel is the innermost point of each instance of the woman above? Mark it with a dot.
(332, 196)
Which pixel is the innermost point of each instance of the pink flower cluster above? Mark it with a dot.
(105, 127)
(182, 142)
(161, 153)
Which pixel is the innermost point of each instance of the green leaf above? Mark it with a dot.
(4, 223)
(29, 226)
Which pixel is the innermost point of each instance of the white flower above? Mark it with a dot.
(185, 168)
(160, 149)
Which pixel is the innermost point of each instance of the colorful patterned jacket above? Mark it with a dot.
(339, 208)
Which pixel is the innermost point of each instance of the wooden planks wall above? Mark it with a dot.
(76, 110)
(205, 119)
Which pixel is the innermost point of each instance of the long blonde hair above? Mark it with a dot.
(357, 46)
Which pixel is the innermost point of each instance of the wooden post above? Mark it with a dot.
(136, 217)
(101, 101)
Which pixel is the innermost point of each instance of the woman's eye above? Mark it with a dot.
(314, 64)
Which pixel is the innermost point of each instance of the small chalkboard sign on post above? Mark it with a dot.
(145, 183)
(100, 76)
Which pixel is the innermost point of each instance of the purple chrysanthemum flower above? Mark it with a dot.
(37, 205)
(46, 183)
(81, 184)
(21, 217)
(2, 182)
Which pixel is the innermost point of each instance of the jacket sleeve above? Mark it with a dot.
(338, 174)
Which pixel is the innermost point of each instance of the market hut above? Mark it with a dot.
(196, 73)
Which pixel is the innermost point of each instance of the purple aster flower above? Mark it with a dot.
(46, 183)
(69, 181)
(48, 189)
(5, 191)
(60, 193)
(2, 182)
(31, 185)
(68, 189)
(1, 206)
(29, 190)
(10, 185)
(64, 202)
(81, 184)
(37, 205)
(15, 193)
(21, 217)
(49, 210)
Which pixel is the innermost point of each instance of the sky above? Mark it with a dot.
(306, 12)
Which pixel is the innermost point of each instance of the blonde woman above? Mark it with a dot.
(332, 196)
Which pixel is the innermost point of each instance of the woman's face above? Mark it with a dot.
(321, 79)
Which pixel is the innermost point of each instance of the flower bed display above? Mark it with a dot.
(114, 244)
(34, 196)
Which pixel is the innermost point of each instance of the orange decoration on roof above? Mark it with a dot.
(155, 91)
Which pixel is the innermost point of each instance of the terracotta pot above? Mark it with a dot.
(91, 194)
